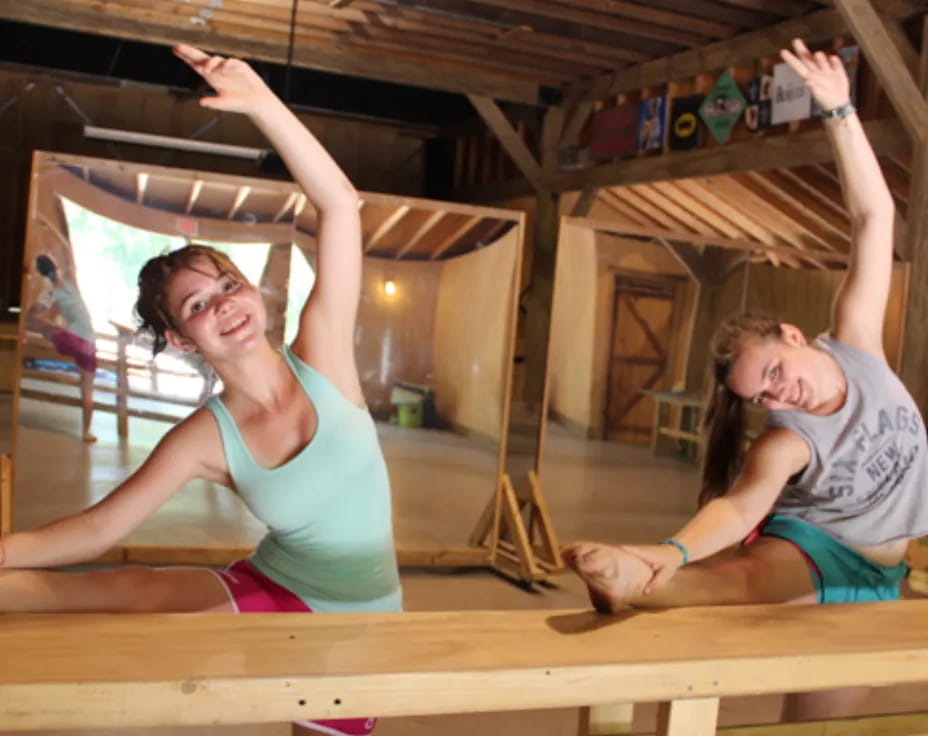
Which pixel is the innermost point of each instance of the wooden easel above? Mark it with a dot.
(518, 533)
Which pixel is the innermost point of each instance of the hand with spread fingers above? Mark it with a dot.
(238, 87)
(824, 74)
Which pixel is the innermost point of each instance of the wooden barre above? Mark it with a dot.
(161, 669)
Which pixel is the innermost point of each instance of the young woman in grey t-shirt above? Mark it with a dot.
(829, 494)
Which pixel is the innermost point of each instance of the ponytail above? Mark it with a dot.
(723, 433)
(724, 419)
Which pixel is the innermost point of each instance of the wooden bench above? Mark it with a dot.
(96, 671)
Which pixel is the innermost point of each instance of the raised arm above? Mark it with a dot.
(88, 534)
(860, 304)
(326, 335)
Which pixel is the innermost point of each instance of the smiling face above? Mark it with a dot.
(786, 374)
(215, 312)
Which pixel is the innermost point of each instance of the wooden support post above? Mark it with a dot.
(606, 720)
(6, 494)
(540, 296)
(888, 63)
(696, 717)
(274, 285)
(122, 385)
(509, 138)
(915, 248)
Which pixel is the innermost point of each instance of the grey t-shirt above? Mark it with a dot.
(866, 481)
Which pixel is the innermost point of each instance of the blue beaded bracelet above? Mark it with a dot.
(683, 550)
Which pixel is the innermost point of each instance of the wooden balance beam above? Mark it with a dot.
(96, 671)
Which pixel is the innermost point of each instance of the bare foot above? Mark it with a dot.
(89, 437)
(612, 576)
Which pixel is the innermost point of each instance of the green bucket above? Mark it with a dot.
(409, 415)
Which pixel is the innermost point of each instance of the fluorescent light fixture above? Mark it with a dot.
(181, 144)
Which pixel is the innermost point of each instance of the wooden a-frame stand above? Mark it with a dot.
(517, 532)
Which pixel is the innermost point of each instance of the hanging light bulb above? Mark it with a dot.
(389, 288)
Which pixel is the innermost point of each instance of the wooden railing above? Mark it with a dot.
(144, 670)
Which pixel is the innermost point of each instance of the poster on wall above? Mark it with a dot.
(614, 131)
(850, 56)
(651, 124)
(723, 107)
(791, 98)
(757, 114)
(683, 134)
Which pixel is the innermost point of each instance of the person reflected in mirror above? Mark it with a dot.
(75, 340)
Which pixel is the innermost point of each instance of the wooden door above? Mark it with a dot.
(644, 313)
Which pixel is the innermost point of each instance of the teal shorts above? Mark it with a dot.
(841, 575)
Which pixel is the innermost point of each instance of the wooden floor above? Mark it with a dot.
(596, 491)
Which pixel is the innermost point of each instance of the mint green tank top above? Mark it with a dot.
(328, 511)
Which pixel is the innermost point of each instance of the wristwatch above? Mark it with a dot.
(840, 112)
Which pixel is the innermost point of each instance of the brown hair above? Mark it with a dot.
(153, 312)
(724, 420)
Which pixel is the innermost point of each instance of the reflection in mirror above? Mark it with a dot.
(434, 346)
(632, 321)
(622, 316)
(434, 350)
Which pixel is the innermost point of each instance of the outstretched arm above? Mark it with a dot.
(86, 535)
(777, 455)
(860, 304)
(326, 335)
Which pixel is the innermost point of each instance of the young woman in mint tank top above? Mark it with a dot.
(290, 432)
(827, 497)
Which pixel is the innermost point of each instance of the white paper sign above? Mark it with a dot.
(791, 97)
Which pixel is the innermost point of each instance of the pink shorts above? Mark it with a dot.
(252, 592)
(83, 351)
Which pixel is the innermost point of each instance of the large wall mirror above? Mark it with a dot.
(434, 347)
(632, 318)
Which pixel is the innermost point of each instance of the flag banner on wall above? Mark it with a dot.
(723, 107)
(757, 114)
(614, 131)
(850, 55)
(684, 123)
(651, 124)
(791, 98)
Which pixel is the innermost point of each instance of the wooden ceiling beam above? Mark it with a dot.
(675, 209)
(505, 15)
(744, 48)
(385, 227)
(510, 140)
(141, 184)
(480, 42)
(660, 217)
(770, 217)
(424, 229)
(536, 41)
(454, 236)
(774, 152)
(672, 191)
(656, 15)
(195, 187)
(615, 16)
(285, 207)
(313, 55)
(240, 196)
(888, 64)
(807, 211)
(736, 244)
